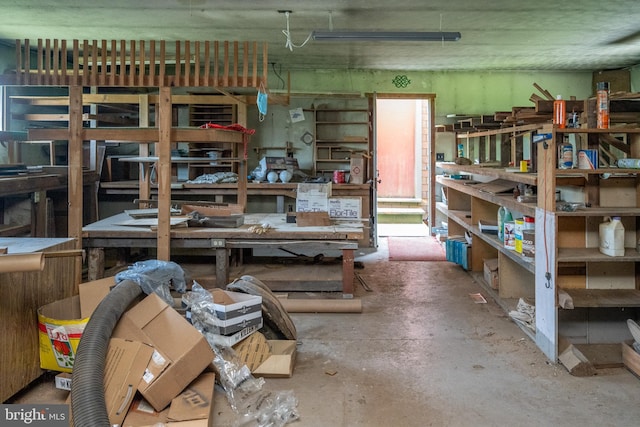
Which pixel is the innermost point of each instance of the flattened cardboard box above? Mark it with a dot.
(92, 293)
(268, 358)
(187, 351)
(125, 364)
(193, 407)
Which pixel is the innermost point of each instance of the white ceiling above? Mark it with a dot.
(496, 35)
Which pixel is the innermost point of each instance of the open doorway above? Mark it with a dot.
(403, 144)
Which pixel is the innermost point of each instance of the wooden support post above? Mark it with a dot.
(347, 272)
(95, 264)
(40, 202)
(143, 151)
(75, 165)
(164, 174)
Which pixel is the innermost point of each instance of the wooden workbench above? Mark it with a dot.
(342, 236)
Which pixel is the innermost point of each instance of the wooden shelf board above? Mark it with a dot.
(142, 135)
(599, 171)
(492, 240)
(461, 217)
(594, 130)
(600, 211)
(498, 199)
(603, 298)
(594, 255)
(523, 128)
(519, 177)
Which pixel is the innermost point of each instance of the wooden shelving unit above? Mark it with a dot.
(604, 290)
(567, 256)
(339, 133)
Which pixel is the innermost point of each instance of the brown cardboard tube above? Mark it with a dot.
(14, 263)
(321, 305)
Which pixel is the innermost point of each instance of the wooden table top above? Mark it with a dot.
(280, 230)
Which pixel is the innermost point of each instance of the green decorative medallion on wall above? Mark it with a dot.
(401, 81)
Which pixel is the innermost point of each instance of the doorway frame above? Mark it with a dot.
(427, 149)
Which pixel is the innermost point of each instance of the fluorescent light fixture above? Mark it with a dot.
(398, 36)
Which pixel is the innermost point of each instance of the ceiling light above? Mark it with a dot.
(398, 36)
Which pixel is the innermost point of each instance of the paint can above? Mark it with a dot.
(565, 160)
(588, 159)
(529, 243)
(510, 235)
(339, 177)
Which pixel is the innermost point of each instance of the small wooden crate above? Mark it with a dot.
(630, 358)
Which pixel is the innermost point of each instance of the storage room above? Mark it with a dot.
(341, 214)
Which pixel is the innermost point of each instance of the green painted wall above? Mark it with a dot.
(456, 92)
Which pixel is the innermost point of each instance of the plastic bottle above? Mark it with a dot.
(565, 155)
(504, 215)
(612, 237)
(602, 99)
(559, 112)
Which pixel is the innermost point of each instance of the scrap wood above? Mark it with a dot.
(608, 139)
(544, 92)
(535, 98)
(363, 283)
(572, 358)
(478, 298)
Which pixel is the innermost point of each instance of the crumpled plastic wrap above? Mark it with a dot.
(246, 394)
(215, 178)
(155, 276)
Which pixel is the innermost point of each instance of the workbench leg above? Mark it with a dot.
(280, 204)
(347, 273)
(95, 264)
(222, 267)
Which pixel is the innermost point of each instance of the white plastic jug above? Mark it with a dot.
(612, 237)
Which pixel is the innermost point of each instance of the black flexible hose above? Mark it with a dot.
(88, 406)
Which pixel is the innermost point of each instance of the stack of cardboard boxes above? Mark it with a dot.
(158, 366)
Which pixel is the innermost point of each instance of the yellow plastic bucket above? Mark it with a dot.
(60, 329)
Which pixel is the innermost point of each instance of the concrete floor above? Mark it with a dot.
(422, 353)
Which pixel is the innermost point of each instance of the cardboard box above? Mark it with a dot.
(313, 197)
(92, 293)
(60, 327)
(268, 358)
(193, 407)
(491, 273)
(630, 357)
(229, 305)
(63, 381)
(345, 207)
(236, 324)
(231, 340)
(358, 169)
(187, 351)
(125, 365)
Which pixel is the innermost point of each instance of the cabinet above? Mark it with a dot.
(339, 134)
(603, 290)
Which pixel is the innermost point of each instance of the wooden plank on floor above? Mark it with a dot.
(602, 356)
(294, 278)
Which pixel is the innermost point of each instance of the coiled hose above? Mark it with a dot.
(88, 406)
